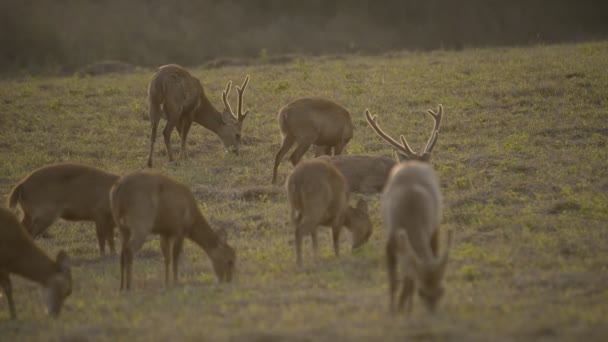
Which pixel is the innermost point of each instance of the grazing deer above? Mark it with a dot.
(176, 95)
(318, 195)
(312, 121)
(363, 173)
(145, 203)
(19, 255)
(70, 191)
(411, 210)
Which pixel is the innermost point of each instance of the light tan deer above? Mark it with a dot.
(363, 173)
(70, 191)
(145, 203)
(176, 95)
(19, 255)
(411, 210)
(312, 121)
(318, 195)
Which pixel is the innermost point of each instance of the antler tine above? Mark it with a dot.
(406, 145)
(225, 97)
(405, 148)
(240, 90)
(437, 117)
(431, 144)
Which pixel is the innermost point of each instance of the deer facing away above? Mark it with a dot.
(70, 191)
(145, 203)
(411, 210)
(176, 95)
(318, 195)
(19, 255)
(312, 121)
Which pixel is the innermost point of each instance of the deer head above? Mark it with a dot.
(230, 134)
(403, 149)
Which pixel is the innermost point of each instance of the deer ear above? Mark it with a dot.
(362, 206)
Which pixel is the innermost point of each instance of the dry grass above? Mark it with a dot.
(521, 158)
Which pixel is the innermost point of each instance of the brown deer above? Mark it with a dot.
(318, 195)
(312, 121)
(176, 95)
(145, 203)
(19, 255)
(364, 173)
(70, 191)
(411, 210)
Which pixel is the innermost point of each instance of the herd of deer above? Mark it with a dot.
(143, 202)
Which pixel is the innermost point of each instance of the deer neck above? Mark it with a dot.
(208, 116)
(202, 234)
(36, 266)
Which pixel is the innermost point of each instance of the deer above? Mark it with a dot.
(145, 203)
(364, 173)
(312, 121)
(177, 96)
(411, 209)
(70, 191)
(318, 195)
(19, 255)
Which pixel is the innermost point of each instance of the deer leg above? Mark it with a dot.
(286, 144)
(101, 237)
(305, 226)
(335, 234)
(134, 245)
(167, 136)
(391, 266)
(339, 148)
(297, 154)
(178, 243)
(185, 124)
(407, 292)
(104, 227)
(153, 134)
(165, 247)
(5, 282)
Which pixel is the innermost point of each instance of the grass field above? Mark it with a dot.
(523, 164)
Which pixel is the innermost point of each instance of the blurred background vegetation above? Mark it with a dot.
(63, 35)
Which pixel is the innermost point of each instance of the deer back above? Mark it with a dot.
(153, 203)
(322, 118)
(363, 173)
(173, 87)
(412, 202)
(69, 190)
(316, 188)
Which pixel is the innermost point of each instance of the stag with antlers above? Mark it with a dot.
(176, 95)
(411, 211)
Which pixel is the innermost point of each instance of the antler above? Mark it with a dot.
(404, 147)
(240, 90)
(240, 116)
(437, 116)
